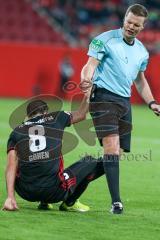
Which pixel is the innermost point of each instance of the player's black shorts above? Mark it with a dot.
(86, 169)
(111, 114)
(35, 194)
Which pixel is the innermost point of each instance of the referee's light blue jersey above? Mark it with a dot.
(120, 62)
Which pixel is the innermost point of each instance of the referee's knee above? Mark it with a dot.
(111, 144)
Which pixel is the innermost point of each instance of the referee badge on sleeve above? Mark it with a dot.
(96, 44)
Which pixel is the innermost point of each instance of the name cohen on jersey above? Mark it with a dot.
(39, 156)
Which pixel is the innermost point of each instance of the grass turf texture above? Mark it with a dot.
(139, 187)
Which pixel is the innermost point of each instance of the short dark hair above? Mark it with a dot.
(35, 107)
(138, 10)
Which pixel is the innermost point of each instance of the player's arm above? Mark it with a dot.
(86, 86)
(10, 203)
(145, 92)
(87, 74)
(80, 114)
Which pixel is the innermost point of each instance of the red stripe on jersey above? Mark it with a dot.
(90, 177)
(60, 173)
(71, 182)
(65, 184)
(61, 168)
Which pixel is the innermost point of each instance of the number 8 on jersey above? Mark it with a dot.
(37, 141)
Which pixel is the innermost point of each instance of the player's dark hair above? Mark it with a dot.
(36, 107)
(138, 10)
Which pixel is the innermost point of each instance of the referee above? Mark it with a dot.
(117, 59)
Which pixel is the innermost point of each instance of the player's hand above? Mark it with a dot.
(156, 109)
(10, 205)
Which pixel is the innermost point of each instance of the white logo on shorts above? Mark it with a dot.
(66, 176)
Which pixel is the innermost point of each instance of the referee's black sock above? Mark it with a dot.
(111, 168)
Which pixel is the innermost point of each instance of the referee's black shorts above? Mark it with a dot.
(111, 114)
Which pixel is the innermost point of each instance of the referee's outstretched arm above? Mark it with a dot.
(144, 91)
(87, 74)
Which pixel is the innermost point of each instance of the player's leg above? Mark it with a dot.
(106, 111)
(112, 145)
(89, 171)
(105, 119)
(111, 116)
(118, 146)
(85, 170)
(111, 167)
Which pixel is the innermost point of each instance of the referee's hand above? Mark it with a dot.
(85, 85)
(156, 109)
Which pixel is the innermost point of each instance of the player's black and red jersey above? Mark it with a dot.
(38, 144)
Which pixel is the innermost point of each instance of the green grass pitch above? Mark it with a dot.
(140, 190)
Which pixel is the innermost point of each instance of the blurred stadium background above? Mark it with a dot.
(36, 36)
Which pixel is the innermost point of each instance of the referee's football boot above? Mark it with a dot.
(117, 208)
(45, 206)
(76, 207)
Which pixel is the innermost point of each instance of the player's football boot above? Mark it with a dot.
(45, 206)
(117, 208)
(76, 207)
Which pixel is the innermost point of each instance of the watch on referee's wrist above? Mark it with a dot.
(150, 104)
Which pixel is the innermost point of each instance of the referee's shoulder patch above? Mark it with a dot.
(96, 44)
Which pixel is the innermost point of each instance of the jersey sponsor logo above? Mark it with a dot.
(96, 44)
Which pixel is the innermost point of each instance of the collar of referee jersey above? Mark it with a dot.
(130, 44)
(121, 35)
